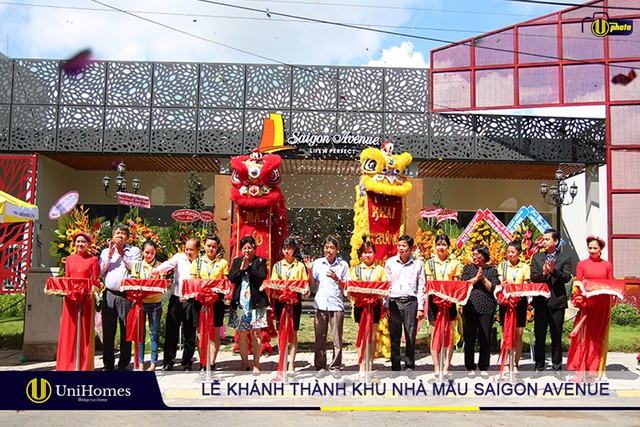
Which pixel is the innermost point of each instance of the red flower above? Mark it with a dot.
(527, 234)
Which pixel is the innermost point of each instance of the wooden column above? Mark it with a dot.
(223, 217)
(414, 202)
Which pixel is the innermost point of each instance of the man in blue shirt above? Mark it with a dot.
(115, 266)
(329, 275)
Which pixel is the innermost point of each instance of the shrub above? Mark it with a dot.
(625, 314)
(12, 305)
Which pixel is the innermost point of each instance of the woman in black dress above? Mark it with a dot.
(478, 313)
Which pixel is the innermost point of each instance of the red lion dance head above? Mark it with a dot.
(255, 180)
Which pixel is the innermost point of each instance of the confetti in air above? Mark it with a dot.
(624, 79)
(77, 63)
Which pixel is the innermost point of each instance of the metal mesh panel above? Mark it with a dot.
(219, 132)
(409, 132)
(494, 87)
(537, 43)
(126, 130)
(540, 139)
(586, 137)
(581, 45)
(622, 162)
(497, 138)
(453, 56)
(495, 49)
(625, 46)
(4, 126)
(314, 121)
(33, 128)
(630, 92)
(129, 84)
(35, 82)
(175, 85)
(80, 129)
(625, 253)
(360, 123)
(268, 86)
(360, 89)
(581, 13)
(84, 88)
(628, 7)
(173, 130)
(625, 126)
(538, 85)
(406, 89)
(315, 88)
(624, 213)
(6, 80)
(451, 136)
(583, 83)
(451, 90)
(221, 85)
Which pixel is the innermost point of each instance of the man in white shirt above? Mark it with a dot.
(180, 312)
(330, 275)
(405, 302)
(115, 266)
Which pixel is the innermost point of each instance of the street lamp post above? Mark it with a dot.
(556, 195)
(121, 184)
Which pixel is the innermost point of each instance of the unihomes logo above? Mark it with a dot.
(39, 390)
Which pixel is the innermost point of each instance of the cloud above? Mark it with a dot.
(57, 33)
(402, 56)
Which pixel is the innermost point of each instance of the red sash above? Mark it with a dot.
(76, 289)
(445, 293)
(137, 290)
(206, 292)
(287, 294)
(509, 295)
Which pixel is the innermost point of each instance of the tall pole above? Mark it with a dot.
(559, 218)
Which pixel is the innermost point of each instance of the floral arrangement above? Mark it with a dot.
(426, 236)
(531, 239)
(483, 234)
(174, 237)
(74, 222)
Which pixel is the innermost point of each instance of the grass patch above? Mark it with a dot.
(11, 333)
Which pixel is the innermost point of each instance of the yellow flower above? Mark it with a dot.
(63, 260)
(61, 245)
(69, 232)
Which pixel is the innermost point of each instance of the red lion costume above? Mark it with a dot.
(260, 211)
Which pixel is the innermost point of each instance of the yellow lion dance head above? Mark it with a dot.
(384, 172)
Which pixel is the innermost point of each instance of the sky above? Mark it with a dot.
(213, 31)
(301, 32)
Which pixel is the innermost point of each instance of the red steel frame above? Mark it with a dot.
(18, 178)
(558, 19)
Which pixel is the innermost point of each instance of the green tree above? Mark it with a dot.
(195, 192)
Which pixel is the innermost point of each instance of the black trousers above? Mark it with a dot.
(476, 326)
(180, 313)
(114, 311)
(403, 314)
(552, 319)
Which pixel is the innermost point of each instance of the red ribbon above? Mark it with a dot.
(365, 328)
(285, 329)
(135, 319)
(207, 297)
(442, 324)
(79, 293)
(509, 326)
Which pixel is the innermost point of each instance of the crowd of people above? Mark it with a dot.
(328, 277)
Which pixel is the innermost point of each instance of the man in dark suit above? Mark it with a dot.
(554, 269)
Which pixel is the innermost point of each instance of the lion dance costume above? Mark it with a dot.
(379, 212)
(260, 212)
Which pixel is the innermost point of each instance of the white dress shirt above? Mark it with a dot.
(407, 279)
(118, 268)
(182, 266)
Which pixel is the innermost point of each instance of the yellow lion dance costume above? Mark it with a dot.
(379, 212)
